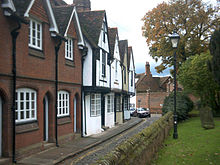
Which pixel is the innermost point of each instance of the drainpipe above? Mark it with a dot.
(57, 48)
(84, 53)
(14, 35)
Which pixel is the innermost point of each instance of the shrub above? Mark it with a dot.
(183, 105)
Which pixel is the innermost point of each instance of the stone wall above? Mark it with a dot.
(142, 147)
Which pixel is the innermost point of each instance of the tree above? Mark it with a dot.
(197, 79)
(214, 48)
(183, 107)
(194, 21)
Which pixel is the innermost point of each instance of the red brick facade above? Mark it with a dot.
(151, 91)
(36, 70)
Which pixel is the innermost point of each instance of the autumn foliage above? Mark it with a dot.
(193, 20)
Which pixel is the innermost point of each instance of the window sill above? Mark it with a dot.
(36, 53)
(64, 120)
(70, 63)
(27, 127)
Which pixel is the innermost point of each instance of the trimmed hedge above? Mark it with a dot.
(140, 148)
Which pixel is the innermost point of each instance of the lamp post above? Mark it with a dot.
(174, 38)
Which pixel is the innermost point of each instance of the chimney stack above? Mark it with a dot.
(147, 69)
(82, 5)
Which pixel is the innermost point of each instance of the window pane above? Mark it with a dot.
(27, 114)
(32, 105)
(27, 96)
(32, 114)
(21, 96)
(22, 105)
(27, 105)
(22, 114)
(32, 96)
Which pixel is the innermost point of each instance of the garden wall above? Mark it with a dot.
(141, 148)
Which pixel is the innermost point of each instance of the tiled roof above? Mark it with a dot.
(155, 84)
(62, 15)
(123, 48)
(58, 2)
(91, 24)
(112, 32)
(21, 6)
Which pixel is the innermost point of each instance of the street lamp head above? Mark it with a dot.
(174, 38)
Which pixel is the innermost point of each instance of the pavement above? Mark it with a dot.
(56, 155)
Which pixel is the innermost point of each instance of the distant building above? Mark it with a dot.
(151, 91)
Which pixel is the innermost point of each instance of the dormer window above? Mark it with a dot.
(69, 49)
(35, 34)
(103, 64)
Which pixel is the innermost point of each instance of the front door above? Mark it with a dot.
(46, 123)
(75, 102)
(103, 110)
(0, 126)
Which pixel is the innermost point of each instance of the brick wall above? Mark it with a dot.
(152, 100)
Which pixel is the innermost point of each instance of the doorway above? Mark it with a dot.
(75, 115)
(103, 110)
(0, 126)
(46, 120)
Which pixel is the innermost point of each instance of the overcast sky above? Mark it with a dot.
(127, 15)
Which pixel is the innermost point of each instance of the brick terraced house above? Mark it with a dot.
(39, 73)
(63, 73)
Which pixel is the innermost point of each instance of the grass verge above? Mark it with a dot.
(194, 146)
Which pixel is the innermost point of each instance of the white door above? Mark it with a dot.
(46, 126)
(0, 126)
(74, 114)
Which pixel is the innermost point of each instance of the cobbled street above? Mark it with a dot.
(95, 153)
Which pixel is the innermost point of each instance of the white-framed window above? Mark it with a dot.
(63, 104)
(116, 70)
(69, 49)
(25, 105)
(118, 103)
(110, 103)
(95, 105)
(103, 64)
(35, 34)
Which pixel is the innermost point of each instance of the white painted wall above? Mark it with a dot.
(93, 124)
(100, 80)
(87, 67)
(0, 126)
(116, 80)
(131, 88)
(127, 115)
(133, 100)
(109, 117)
(101, 44)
